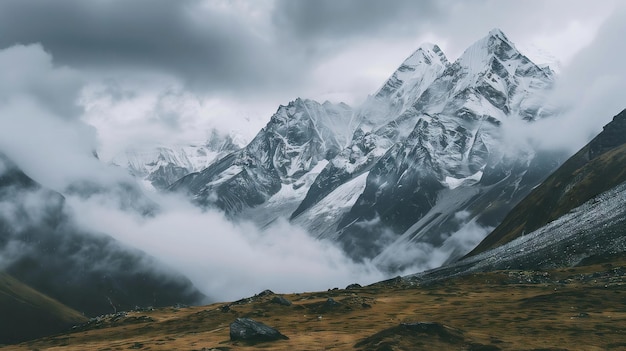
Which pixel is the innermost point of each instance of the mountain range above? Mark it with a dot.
(160, 166)
(421, 162)
(421, 177)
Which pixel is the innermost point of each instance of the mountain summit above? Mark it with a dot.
(412, 170)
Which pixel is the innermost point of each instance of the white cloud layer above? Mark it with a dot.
(588, 93)
(227, 260)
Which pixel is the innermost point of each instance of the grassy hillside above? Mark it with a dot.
(28, 314)
(596, 168)
(579, 308)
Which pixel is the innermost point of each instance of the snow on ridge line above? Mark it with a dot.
(454, 183)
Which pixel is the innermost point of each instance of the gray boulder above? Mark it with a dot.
(279, 300)
(249, 330)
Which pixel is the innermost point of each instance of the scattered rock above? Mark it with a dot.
(265, 292)
(136, 345)
(254, 298)
(118, 316)
(353, 286)
(279, 300)
(249, 330)
(330, 303)
(405, 336)
(143, 309)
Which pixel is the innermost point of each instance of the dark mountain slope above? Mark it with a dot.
(28, 314)
(581, 231)
(92, 273)
(596, 168)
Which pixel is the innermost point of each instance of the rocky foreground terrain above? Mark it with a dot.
(579, 308)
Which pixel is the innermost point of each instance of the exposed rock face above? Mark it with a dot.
(279, 300)
(296, 139)
(248, 330)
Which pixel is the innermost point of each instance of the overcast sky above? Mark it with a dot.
(145, 71)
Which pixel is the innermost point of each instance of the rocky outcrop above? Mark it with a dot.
(251, 331)
(279, 300)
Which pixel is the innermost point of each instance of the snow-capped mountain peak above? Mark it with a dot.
(403, 88)
(414, 70)
(420, 159)
(439, 146)
(479, 57)
(158, 166)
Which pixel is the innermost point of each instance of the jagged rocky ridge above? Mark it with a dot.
(421, 160)
(297, 138)
(160, 166)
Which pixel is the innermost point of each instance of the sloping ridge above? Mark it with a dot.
(41, 246)
(596, 168)
(28, 314)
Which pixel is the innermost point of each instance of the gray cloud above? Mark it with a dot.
(588, 93)
(227, 260)
(29, 73)
(207, 47)
(264, 49)
(320, 24)
(224, 259)
(338, 20)
(593, 88)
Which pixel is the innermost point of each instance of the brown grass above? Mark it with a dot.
(573, 309)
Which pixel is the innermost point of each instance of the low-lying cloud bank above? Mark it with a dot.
(226, 260)
(587, 94)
